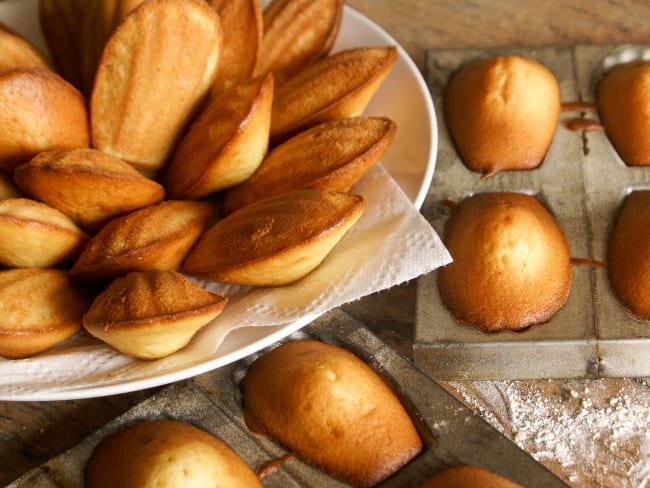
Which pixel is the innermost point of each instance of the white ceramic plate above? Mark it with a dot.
(403, 96)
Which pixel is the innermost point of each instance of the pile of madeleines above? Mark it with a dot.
(512, 266)
(171, 139)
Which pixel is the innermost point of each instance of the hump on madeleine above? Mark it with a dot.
(38, 309)
(333, 155)
(512, 266)
(40, 111)
(154, 237)
(275, 241)
(502, 113)
(623, 96)
(330, 408)
(166, 454)
(97, 186)
(151, 314)
(155, 70)
(628, 255)
(296, 33)
(337, 86)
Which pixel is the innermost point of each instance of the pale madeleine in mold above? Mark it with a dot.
(628, 254)
(502, 113)
(166, 453)
(623, 96)
(330, 408)
(511, 268)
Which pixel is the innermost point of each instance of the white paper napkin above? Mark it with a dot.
(391, 244)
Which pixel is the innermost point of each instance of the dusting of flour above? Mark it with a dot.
(590, 433)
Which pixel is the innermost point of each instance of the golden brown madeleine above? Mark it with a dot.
(61, 22)
(38, 309)
(327, 406)
(333, 155)
(151, 314)
(155, 70)
(166, 454)
(623, 96)
(226, 143)
(511, 267)
(18, 52)
(8, 188)
(334, 87)
(628, 254)
(40, 111)
(463, 476)
(275, 241)
(33, 234)
(296, 33)
(99, 20)
(155, 237)
(241, 21)
(502, 113)
(87, 185)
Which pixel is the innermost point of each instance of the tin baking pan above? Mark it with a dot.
(582, 182)
(451, 432)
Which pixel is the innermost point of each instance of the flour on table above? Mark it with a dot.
(590, 433)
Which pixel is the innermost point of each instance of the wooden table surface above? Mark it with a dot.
(32, 432)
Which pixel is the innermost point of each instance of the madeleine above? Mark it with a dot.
(41, 111)
(623, 95)
(511, 268)
(155, 71)
(87, 185)
(296, 33)
(628, 255)
(166, 454)
(502, 113)
(464, 476)
(18, 52)
(333, 155)
(275, 241)
(242, 26)
(38, 309)
(337, 86)
(331, 409)
(226, 143)
(154, 237)
(33, 234)
(151, 314)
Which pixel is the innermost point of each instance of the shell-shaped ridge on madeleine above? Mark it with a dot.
(151, 314)
(275, 241)
(155, 71)
(297, 33)
(154, 237)
(225, 144)
(336, 86)
(98, 187)
(333, 155)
